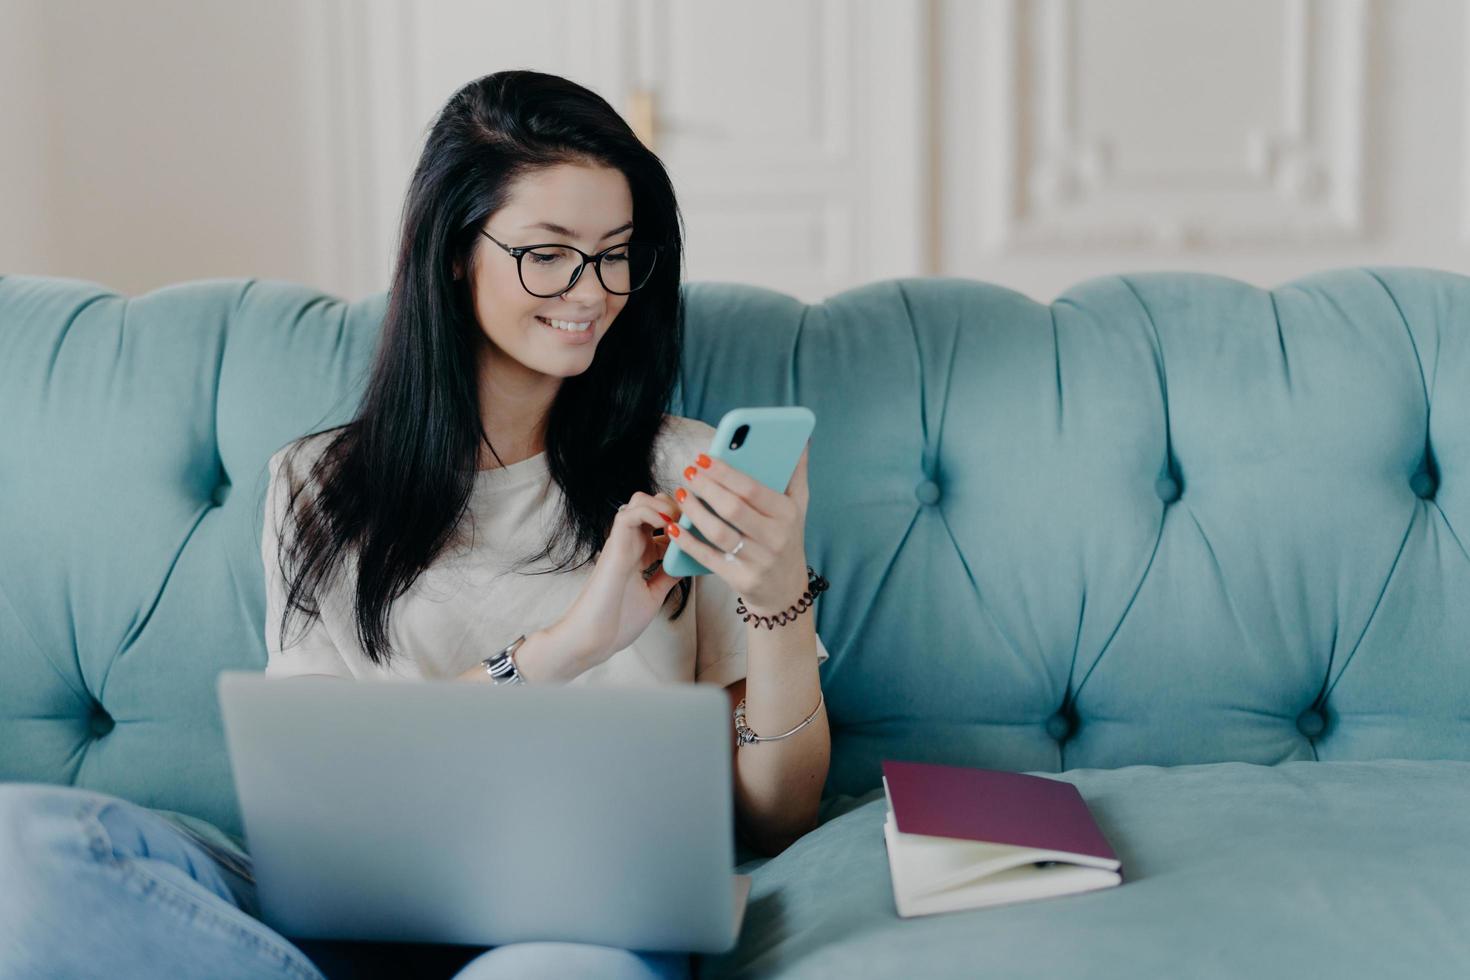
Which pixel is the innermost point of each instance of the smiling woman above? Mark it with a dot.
(514, 404)
(542, 282)
(472, 373)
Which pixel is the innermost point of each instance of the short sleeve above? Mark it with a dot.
(721, 633)
(314, 652)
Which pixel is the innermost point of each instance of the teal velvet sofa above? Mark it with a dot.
(1197, 547)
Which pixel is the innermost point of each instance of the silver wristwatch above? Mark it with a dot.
(501, 665)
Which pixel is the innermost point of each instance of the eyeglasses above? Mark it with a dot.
(554, 268)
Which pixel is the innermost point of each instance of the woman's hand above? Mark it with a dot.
(770, 571)
(617, 603)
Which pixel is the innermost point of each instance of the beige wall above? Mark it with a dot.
(1033, 143)
(152, 141)
(25, 243)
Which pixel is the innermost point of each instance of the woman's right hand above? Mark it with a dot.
(617, 603)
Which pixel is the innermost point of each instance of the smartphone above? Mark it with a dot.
(764, 443)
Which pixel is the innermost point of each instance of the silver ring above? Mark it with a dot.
(622, 506)
(730, 555)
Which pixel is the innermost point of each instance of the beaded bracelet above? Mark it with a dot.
(816, 585)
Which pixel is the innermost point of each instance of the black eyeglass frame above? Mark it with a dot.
(517, 251)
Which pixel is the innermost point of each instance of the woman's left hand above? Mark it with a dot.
(770, 571)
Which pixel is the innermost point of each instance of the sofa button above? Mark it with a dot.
(1167, 488)
(927, 492)
(1059, 726)
(221, 493)
(1422, 484)
(100, 722)
(1311, 723)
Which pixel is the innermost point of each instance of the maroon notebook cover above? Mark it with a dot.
(992, 806)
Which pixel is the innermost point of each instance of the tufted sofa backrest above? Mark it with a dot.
(1168, 518)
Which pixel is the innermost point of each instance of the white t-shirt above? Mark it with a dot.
(470, 602)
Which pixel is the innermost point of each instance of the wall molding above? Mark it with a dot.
(1296, 180)
(361, 105)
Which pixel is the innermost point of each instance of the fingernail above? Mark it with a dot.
(666, 517)
(689, 472)
(680, 494)
(703, 460)
(674, 529)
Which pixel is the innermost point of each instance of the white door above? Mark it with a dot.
(794, 130)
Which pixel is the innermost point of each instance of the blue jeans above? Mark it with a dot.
(92, 885)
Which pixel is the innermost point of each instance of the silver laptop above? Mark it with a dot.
(437, 811)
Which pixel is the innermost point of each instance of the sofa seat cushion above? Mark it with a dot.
(1325, 869)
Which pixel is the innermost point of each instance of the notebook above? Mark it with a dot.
(961, 837)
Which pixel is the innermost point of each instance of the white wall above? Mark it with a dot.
(1032, 143)
(1261, 140)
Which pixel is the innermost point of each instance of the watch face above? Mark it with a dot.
(500, 667)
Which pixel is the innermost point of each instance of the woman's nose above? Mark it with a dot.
(587, 286)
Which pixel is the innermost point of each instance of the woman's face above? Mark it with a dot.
(590, 207)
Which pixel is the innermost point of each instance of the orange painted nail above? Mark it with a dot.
(704, 461)
(680, 494)
(674, 529)
(666, 517)
(689, 472)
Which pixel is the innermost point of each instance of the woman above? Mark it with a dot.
(516, 409)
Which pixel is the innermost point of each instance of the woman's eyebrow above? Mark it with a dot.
(559, 230)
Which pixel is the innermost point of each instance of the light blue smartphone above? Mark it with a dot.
(765, 443)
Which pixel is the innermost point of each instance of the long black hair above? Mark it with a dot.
(393, 484)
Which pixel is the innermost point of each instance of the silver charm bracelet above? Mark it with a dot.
(745, 736)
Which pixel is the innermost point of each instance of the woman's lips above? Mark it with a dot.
(571, 337)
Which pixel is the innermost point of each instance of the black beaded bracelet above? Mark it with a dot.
(816, 585)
